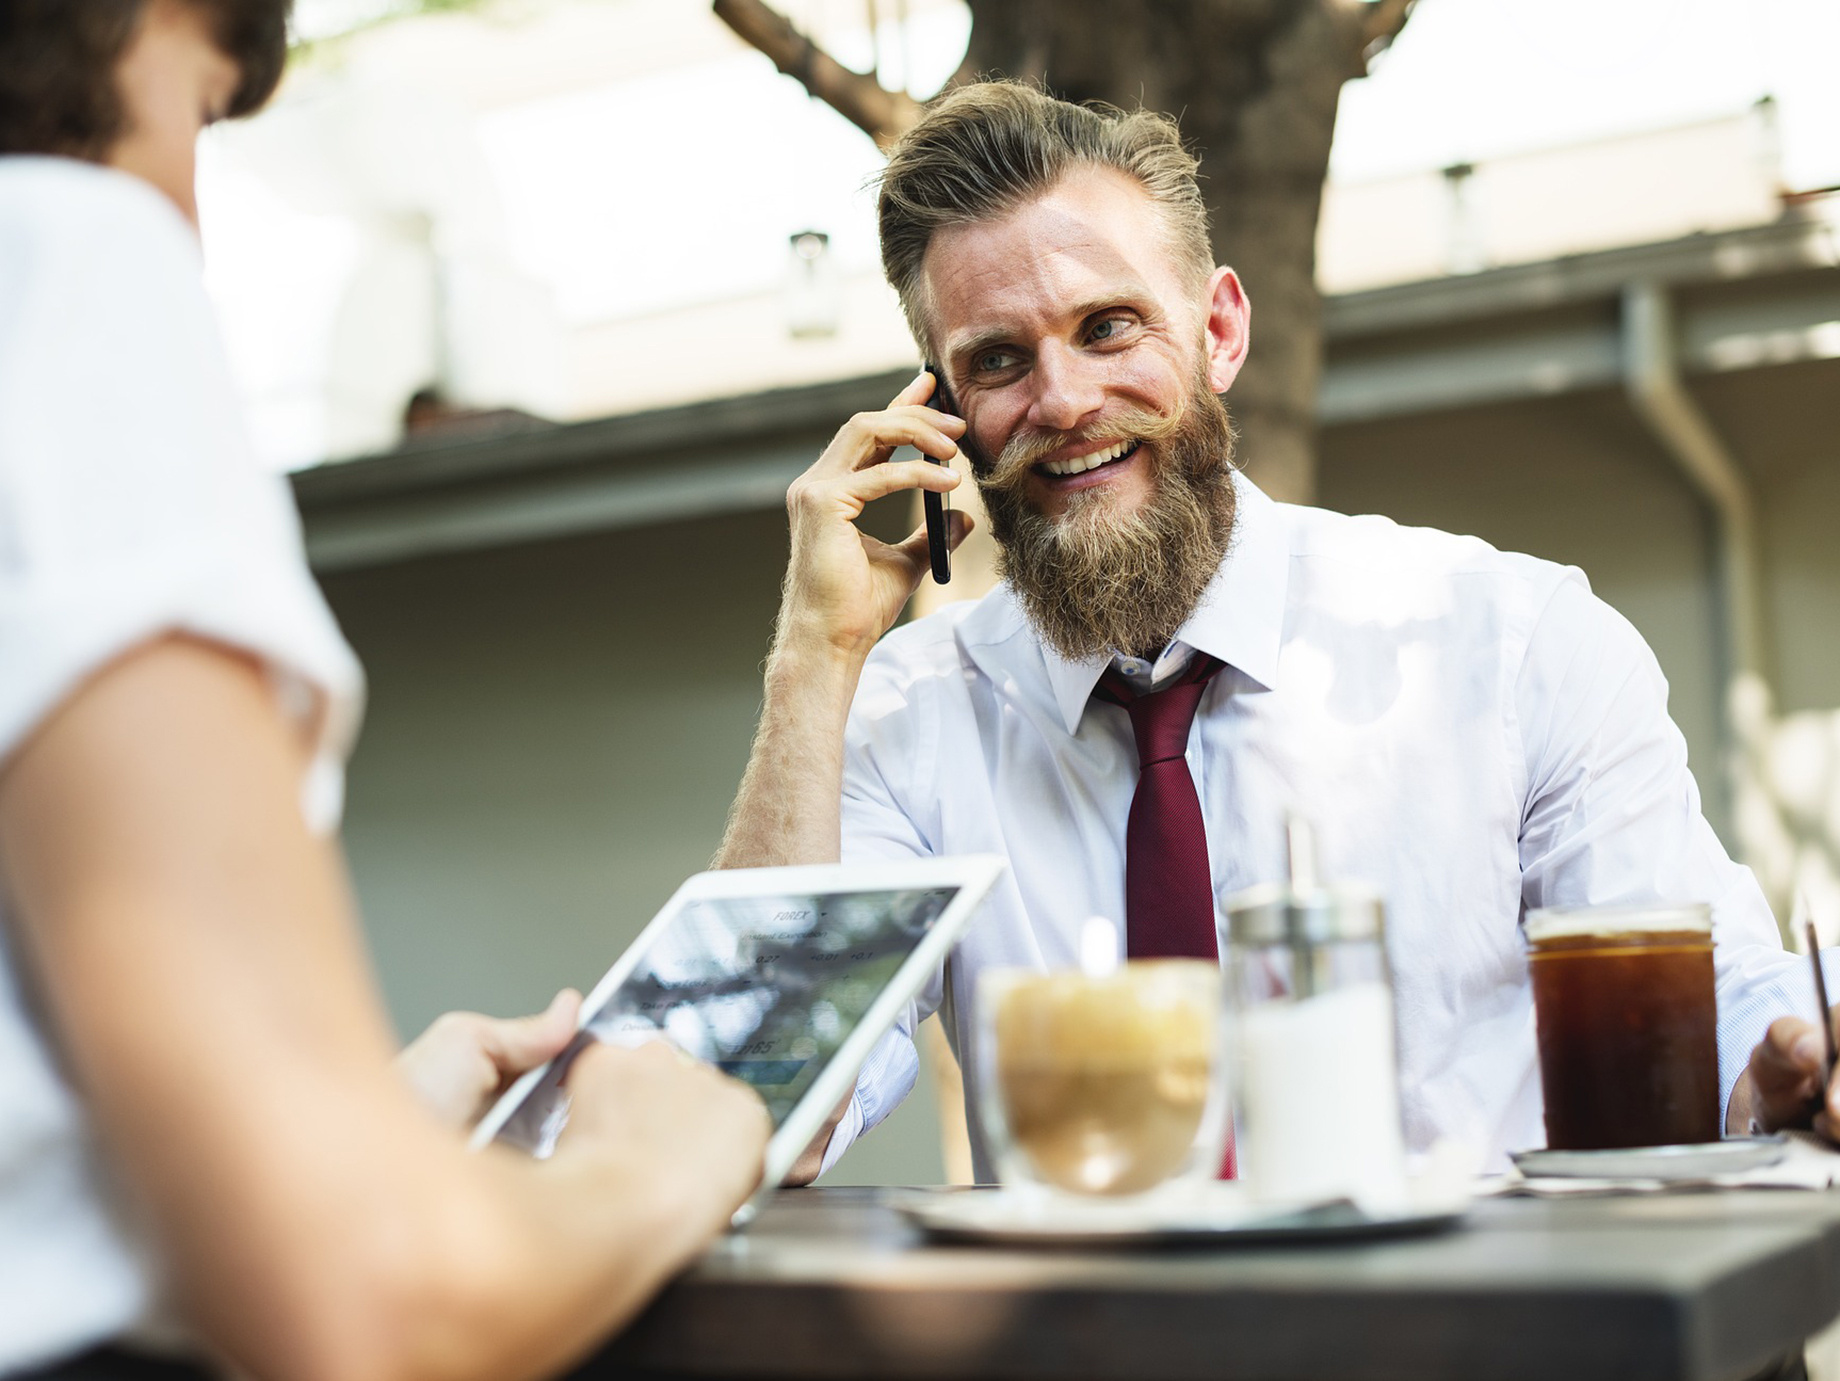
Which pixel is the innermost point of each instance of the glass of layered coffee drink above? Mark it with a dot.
(1104, 1083)
(1628, 1025)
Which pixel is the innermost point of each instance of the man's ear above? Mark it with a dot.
(1229, 328)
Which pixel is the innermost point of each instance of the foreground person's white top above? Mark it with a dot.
(1473, 732)
(130, 506)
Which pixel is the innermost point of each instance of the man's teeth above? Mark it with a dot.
(1081, 464)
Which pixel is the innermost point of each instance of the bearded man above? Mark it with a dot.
(1471, 731)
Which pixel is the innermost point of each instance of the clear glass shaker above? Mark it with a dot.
(1315, 1044)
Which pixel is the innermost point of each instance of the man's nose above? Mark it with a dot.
(1069, 389)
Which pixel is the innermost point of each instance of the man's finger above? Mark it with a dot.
(522, 1043)
(1785, 1081)
(917, 548)
(869, 438)
(910, 555)
(948, 422)
(918, 390)
(877, 482)
(1791, 1050)
(873, 437)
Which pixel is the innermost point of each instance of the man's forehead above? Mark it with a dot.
(1094, 237)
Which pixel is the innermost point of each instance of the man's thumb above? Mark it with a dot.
(524, 1042)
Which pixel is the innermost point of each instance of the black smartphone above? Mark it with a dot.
(938, 505)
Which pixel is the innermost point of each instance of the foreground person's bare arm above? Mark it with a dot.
(206, 982)
(844, 589)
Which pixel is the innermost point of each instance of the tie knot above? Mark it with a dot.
(1161, 720)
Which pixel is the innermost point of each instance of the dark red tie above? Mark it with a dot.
(1168, 889)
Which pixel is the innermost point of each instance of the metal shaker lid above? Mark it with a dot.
(1278, 913)
(1303, 910)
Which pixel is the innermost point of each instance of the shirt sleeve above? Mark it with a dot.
(887, 1077)
(1613, 816)
(131, 504)
(876, 825)
(878, 768)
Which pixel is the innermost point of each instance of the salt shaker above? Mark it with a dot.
(1318, 1079)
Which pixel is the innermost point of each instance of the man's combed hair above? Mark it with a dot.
(58, 60)
(982, 150)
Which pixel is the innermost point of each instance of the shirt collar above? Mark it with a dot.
(1240, 618)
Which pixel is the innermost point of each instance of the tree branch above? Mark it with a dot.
(881, 114)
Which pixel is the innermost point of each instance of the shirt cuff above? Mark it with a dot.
(887, 1076)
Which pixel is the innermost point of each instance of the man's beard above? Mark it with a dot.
(1094, 581)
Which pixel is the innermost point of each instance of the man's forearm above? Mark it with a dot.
(844, 589)
(789, 807)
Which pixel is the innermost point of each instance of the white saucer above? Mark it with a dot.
(1696, 1162)
(1220, 1213)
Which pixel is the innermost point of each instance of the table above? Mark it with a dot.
(832, 1283)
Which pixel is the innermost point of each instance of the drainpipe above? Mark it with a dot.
(1651, 374)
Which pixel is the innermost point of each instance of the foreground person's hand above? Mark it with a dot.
(461, 1064)
(682, 1121)
(845, 588)
(1784, 1082)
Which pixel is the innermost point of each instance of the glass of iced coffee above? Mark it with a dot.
(1623, 1001)
(1104, 1084)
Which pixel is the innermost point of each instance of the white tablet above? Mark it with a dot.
(782, 977)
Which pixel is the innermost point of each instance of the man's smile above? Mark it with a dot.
(1066, 467)
(1092, 460)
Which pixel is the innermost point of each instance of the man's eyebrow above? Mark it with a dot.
(1135, 296)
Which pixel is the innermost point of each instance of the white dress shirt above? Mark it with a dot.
(130, 506)
(1471, 731)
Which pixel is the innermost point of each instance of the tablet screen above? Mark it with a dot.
(764, 987)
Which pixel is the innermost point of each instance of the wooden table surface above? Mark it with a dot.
(833, 1283)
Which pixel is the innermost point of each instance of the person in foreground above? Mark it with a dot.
(198, 1103)
(1471, 731)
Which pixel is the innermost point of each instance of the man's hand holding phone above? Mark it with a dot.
(845, 588)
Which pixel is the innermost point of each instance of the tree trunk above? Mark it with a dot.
(1255, 85)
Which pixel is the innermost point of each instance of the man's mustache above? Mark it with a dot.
(1026, 450)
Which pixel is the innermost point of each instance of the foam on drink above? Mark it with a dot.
(1104, 1080)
